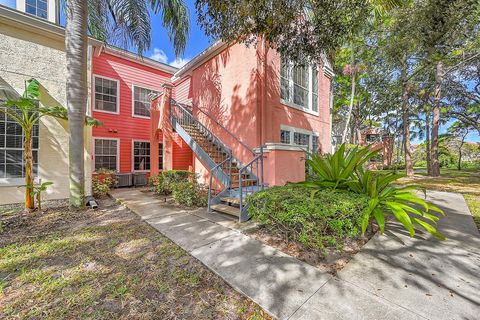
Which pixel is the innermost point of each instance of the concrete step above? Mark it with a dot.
(223, 208)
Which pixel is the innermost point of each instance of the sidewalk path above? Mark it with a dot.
(393, 277)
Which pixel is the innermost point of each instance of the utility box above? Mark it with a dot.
(140, 179)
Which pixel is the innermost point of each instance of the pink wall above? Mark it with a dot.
(240, 89)
(281, 114)
(281, 167)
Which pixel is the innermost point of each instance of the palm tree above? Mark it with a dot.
(114, 21)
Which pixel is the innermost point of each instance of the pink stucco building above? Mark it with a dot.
(233, 103)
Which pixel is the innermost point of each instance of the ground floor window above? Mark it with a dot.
(106, 154)
(160, 156)
(299, 137)
(11, 148)
(141, 155)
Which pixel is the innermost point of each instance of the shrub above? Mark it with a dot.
(156, 184)
(344, 171)
(189, 193)
(102, 181)
(163, 183)
(326, 219)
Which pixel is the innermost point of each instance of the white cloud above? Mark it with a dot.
(179, 62)
(159, 55)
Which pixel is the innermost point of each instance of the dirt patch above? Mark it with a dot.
(105, 263)
(329, 259)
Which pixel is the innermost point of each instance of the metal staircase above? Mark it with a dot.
(237, 180)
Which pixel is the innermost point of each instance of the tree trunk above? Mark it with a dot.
(406, 120)
(76, 52)
(352, 98)
(427, 143)
(27, 148)
(436, 118)
(459, 167)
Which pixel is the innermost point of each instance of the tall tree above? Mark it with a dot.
(114, 21)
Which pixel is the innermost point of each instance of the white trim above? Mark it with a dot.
(118, 151)
(133, 99)
(94, 75)
(294, 130)
(199, 59)
(291, 85)
(271, 146)
(124, 54)
(133, 155)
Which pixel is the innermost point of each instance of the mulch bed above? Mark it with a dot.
(330, 259)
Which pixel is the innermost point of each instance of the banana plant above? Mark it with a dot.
(27, 111)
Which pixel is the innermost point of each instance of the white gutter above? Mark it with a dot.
(121, 53)
(35, 24)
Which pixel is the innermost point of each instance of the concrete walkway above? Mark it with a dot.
(393, 277)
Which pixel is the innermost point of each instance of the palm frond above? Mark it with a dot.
(175, 19)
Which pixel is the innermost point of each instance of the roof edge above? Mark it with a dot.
(200, 58)
(122, 53)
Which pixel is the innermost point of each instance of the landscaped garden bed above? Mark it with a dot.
(327, 218)
(104, 263)
(324, 230)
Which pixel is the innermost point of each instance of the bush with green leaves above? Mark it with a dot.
(327, 219)
(189, 193)
(164, 181)
(102, 181)
(344, 171)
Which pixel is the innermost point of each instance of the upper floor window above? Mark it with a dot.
(141, 102)
(11, 148)
(299, 86)
(38, 8)
(106, 95)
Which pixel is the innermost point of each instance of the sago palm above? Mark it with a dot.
(125, 22)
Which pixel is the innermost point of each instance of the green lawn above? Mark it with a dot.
(105, 264)
(466, 182)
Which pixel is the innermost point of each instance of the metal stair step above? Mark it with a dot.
(231, 200)
(223, 208)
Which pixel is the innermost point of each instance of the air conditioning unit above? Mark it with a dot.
(123, 180)
(140, 179)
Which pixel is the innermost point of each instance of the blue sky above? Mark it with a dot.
(162, 50)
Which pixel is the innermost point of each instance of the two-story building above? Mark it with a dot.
(240, 116)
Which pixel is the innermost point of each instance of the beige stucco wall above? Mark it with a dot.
(25, 54)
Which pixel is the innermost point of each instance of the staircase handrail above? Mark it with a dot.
(229, 158)
(185, 108)
(259, 178)
(223, 127)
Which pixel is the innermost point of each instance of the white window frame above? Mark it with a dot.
(309, 108)
(133, 100)
(292, 131)
(133, 155)
(95, 156)
(36, 9)
(95, 76)
(21, 181)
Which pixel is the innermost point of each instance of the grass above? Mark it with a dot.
(105, 264)
(466, 182)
